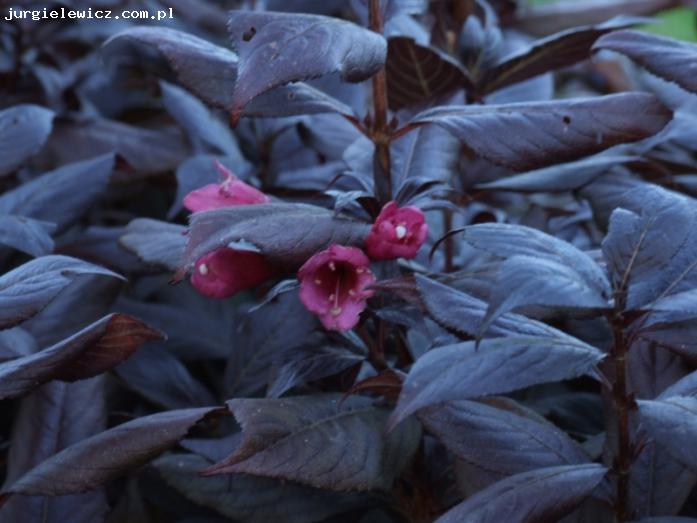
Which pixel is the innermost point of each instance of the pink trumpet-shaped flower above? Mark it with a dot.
(224, 272)
(398, 232)
(333, 285)
(230, 192)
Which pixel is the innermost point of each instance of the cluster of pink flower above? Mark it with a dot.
(334, 283)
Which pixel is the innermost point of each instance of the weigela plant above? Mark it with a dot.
(398, 232)
(334, 286)
(388, 261)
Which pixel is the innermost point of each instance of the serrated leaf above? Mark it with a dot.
(418, 74)
(23, 130)
(26, 290)
(277, 48)
(155, 242)
(500, 365)
(671, 59)
(265, 226)
(507, 240)
(95, 349)
(463, 313)
(553, 52)
(559, 178)
(293, 100)
(207, 70)
(92, 462)
(309, 364)
(672, 422)
(252, 499)
(528, 136)
(309, 438)
(524, 281)
(651, 245)
(500, 436)
(546, 494)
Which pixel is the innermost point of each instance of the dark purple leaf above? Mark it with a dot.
(417, 74)
(262, 338)
(92, 462)
(309, 364)
(148, 151)
(559, 178)
(507, 240)
(32, 237)
(209, 71)
(309, 438)
(500, 436)
(554, 52)
(157, 243)
(56, 416)
(672, 422)
(551, 18)
(253, 499)
(686, 386)
(95, 349)
(277, 48)
(671, 59)
(463, 313)
(427, 154)
(651, 245)
(23, 131)
(659, 484)
(100, 245)
(62, 195)
(532, 135)
(15, 343)
(538, 496)
(206, 132)
(28, 289)
(161, 378)
(265, 227)
(293, 100)
(465, 371)
(546, 284)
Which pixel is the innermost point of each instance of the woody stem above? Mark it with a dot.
(380, 132)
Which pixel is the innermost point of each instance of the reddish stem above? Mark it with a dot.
(380, 131)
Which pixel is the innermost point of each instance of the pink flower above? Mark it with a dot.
(224, 272)
(398, 232)
(231, 191)
(333, 286)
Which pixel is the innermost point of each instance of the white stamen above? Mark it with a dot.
(400, 231)
(318, 281)
(203, 269)
(335, 311)
(331, 297)
(352, 292)
(332, 266)
(359, 270)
